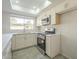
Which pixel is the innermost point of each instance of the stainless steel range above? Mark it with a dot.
(41, 42)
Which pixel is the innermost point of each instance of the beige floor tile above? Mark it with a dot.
(32, 53)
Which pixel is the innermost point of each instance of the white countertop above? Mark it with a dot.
(5, 39)
(52, 34)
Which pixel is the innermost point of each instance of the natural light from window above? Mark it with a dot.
(21, 24)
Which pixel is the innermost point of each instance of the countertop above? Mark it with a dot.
(5, 39)
(52, 34)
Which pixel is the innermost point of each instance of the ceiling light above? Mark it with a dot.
(34, 11)
(16, 7)
(47, 3)
(37, 11)
(17, 1)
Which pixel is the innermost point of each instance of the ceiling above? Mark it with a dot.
(27, 7)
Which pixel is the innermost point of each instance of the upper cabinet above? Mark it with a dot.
(55, 18)
(41, 17)
(65, 6)
(72, 4)
(38, 21)
(55, 12)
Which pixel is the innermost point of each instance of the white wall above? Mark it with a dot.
(69, 34)
(5, 23)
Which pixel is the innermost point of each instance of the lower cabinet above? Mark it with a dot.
(20, 41)
(30, 40)
(13, 41)
(52, 45)
(7, 54)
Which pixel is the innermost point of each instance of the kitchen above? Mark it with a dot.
(39, 29)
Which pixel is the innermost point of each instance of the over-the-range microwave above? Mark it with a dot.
(46, 21)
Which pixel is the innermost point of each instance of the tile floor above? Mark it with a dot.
(32, 53)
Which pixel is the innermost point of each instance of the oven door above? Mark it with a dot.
(41, 43)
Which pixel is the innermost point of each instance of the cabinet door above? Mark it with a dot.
(48, 46)
(39, 21)
(52, 45)
(13, 42)
(66, 6)
(60, 8)
(19, 41)
(72, 4)
(28, 40)
(34, 38)
(8, 51)
(55, 45)
(53, 19)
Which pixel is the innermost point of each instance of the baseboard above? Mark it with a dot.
(66, 56)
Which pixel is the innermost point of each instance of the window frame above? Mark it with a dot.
(23, 24)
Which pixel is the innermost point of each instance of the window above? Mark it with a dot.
(20, 24)
(28, 24)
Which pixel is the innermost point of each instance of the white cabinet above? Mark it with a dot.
(13, 42)
(7, 54)
(40, 17)
(48, 46)
(61, 7)
(19, 41)
(23, 40)
(65, 6)
(39, 21)
(30, 40)
(55, 18)
(52, 45)
(72, 4)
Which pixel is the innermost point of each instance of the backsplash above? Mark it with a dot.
(49, 28)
